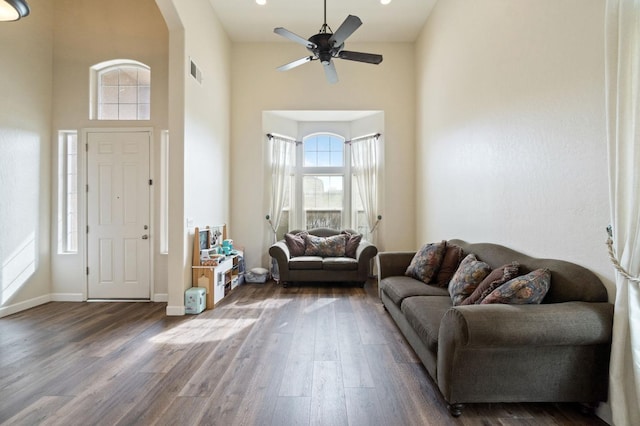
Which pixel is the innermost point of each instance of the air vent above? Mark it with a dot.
(195, 72)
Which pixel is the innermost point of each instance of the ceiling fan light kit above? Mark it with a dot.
(12, 10)
(327, 45)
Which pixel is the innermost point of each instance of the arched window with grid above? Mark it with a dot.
(120, 90)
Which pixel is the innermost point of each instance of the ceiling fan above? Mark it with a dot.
(327, 45)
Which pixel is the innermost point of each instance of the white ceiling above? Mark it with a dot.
(246, 21)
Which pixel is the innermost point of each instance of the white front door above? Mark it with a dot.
(118, 197)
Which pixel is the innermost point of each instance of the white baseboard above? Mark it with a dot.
(22, 306)
(160, 297)
(175, 311)
(67, 297)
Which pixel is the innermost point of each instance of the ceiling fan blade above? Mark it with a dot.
(330, 72)
(345, 30)
(295, 63)
(370, 58)
(294, 37)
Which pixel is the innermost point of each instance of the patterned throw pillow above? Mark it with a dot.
(426, 262)
(353, 241)
(296, 243)
(453, 255)
(470, 273)
(326, 247)
(527, 289)
(495, 279)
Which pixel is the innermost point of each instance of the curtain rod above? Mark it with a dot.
(273, 135)
(375, 135)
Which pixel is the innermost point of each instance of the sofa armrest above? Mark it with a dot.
(280, 252)
(393, 263)
(499, 325)
(366, 251)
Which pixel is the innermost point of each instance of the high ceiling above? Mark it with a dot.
(246, 21)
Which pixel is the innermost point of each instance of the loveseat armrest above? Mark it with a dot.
(501, 325)
(280, 252)
(393, 263)
(366, 251)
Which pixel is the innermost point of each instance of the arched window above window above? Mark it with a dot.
(120, 90)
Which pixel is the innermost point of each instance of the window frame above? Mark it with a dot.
(95, 85)
(300, 171)
(68, 215)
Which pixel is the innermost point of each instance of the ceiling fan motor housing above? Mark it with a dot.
(324, 49)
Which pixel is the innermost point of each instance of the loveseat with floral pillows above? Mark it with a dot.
(491, 324)
(323, 255)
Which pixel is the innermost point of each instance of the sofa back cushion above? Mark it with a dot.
(569, 282)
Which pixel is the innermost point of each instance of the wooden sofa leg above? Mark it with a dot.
(456, 409)
(285, 284)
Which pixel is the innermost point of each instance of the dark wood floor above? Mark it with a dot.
(266, 355)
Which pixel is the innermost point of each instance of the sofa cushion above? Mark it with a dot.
(305, 262)
(469, 274)
(495, 279)
(424, 314)
(326, 247)
(397, 288)
(453, 255)
(296, 243)
(426, 261)
(339, 264)
(527, 289)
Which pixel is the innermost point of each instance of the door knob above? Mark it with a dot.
(145, 237)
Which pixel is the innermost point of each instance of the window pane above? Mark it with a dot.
(128, 94)
(144, 112)
(128, 112)
(128, 76)
(323, 201)
(108, 111)
(323, 151)
(109, 78)
(109, 94)
(144, 77)
(144, 94)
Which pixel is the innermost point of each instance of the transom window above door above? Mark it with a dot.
(120, 90)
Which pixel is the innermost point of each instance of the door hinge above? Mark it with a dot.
(87, 229)
(87, 187)
(150, 181)
(87, 270)
(86, 147)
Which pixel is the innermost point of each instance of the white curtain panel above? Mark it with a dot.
(623, 137)
(282, 150)
(364, 159)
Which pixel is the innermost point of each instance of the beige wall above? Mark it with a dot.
(258, 87)
(25, 144)
(199, 160)
(511, 127)
(84, 36)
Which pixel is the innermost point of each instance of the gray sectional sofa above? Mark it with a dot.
(556, 351)
(351, 265)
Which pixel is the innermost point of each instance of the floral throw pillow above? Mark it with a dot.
(470, 273)
(495, 279)
(527, 289)
(326, 247)
(426, 262)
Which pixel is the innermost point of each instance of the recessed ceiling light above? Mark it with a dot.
(261, 2)
(385, 2)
